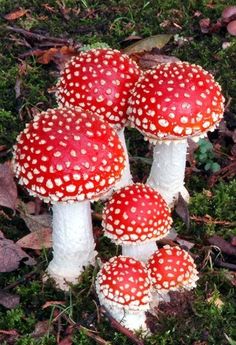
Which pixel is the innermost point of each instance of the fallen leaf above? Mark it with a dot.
(16, 14)
(57, 55)
(41, 328)
(216, 301)
(148, 61)
(147, 44)
(37, 240)
(9, 300)
(223, 245)
(182, 210)
(50, 303)
(8, 190)
(184, 243)
(11, 254)
(66, 341)
(34, 223)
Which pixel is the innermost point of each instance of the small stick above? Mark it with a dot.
(19, 281)
(87, 331)
(38, 37)
(229, 266)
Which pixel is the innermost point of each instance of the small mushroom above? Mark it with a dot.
(228, 14)
(136, 217)
(171, 269)
(100, 80)
(169, 104)
(68, 157)
(231, 28)
(123, 288)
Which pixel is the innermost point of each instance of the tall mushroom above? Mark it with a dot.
(171, 269)
(170, 103)
(69, 157)
(123, 287)
(100, 80)
(136, 217)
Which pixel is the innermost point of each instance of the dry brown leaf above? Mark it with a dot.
(34, 223)
(16, 14)
(148, 61)
(50, 303)
(41, 328)
(57, 55)
(183, 211)
(8, 190)
(66, 341)
(9, 300)
(147, 44)
(37, 240)
(11, 254)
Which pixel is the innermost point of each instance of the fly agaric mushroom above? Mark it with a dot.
(69, 157)
(169, 104)
(136, 217)
(100, 80)
(123, 287)
(171, 269)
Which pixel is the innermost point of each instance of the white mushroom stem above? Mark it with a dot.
(126, 178)
(131, 319)
(168, 170)
(73, 242)
(140, 252)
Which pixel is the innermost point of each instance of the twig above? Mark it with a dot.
(88, 332)
(116, 325)
(19, 281)
(220, 263)
(209, 220)
(38, 37)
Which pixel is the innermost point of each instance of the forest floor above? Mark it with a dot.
(36, 38)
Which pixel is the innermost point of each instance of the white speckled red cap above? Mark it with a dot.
(68, 155)
(175, 101)
(124, 282)
(136, 214)
(172, 268)
(99, 80)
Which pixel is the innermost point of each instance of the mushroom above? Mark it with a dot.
(123, 288)
(69, 157)
(136, 217)
(169, 104)
(171, 269)
(100, 80)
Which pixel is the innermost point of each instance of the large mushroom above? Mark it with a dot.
(136, 217)
(169, 104)
(100, 80)
(123, 287)
(171, 269)
(68, 157)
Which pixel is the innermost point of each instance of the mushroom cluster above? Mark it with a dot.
(76, 153)
(169, 104)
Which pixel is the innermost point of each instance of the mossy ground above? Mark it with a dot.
(112, 21)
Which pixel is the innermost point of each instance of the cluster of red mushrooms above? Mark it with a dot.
(76, 153)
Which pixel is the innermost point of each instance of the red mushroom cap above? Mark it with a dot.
(136, 214)
(175, 101)
(99, 80)
(124, 282)
(66, 155)
(172, 268)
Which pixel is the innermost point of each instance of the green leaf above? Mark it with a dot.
(215, 167)
(147, 44)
